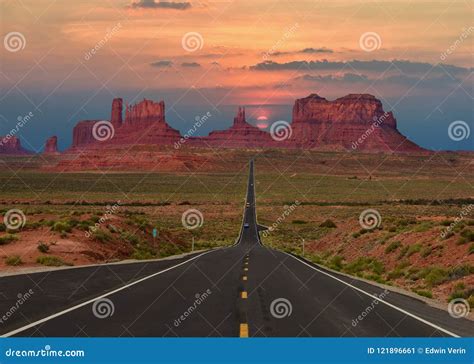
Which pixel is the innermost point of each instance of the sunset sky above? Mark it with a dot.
(200, 56)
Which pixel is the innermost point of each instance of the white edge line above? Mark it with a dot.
(16, 331)
(376, 298)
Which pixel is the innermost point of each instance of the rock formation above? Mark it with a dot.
(354, 122)
(144, 124)
(116, 114)
(11, 145)
(240, 135)
(51, 146)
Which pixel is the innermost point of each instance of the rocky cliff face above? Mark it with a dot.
(51, 146)
(144, 124)
(11, 145)
(354, 122)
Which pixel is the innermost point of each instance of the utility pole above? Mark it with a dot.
(303, 247)
(192, 247)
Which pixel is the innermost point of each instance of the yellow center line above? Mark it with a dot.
(244, 330)
(244, 294)
(246, 269)
(244, 278)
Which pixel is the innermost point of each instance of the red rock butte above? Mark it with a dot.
(11, 145)
(352, 122)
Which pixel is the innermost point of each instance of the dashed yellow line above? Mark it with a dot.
(243, 294)
(244, 330)
(244, 278)
(246, 269)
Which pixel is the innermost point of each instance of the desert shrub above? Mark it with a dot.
(396, 273)
(13, 260)
(403, 251)
(102, 236)
(461, 271)
(426, 251)
(424, 293)
(61, 227)
(435, 276)
(130, 238)
(3, 227)
(336, 262)
(415, 248)
(467, 236)
(50, 261)
(392, 247)
(328, 224)
(299, 222)
(356, 235)
(8, 238)
(471, 249)
(42, 247)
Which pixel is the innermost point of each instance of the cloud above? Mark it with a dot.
(152, 4)
(303, 51)
(347, 77)
(371, 66)
(190, 64)
(163, 63)
(426, 81)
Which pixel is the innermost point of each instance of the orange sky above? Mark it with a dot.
(235, 36)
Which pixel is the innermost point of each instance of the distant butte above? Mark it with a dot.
(353, 122)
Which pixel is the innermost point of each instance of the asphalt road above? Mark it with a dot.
(243, 290)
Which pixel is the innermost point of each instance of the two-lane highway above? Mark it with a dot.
(244, 290)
